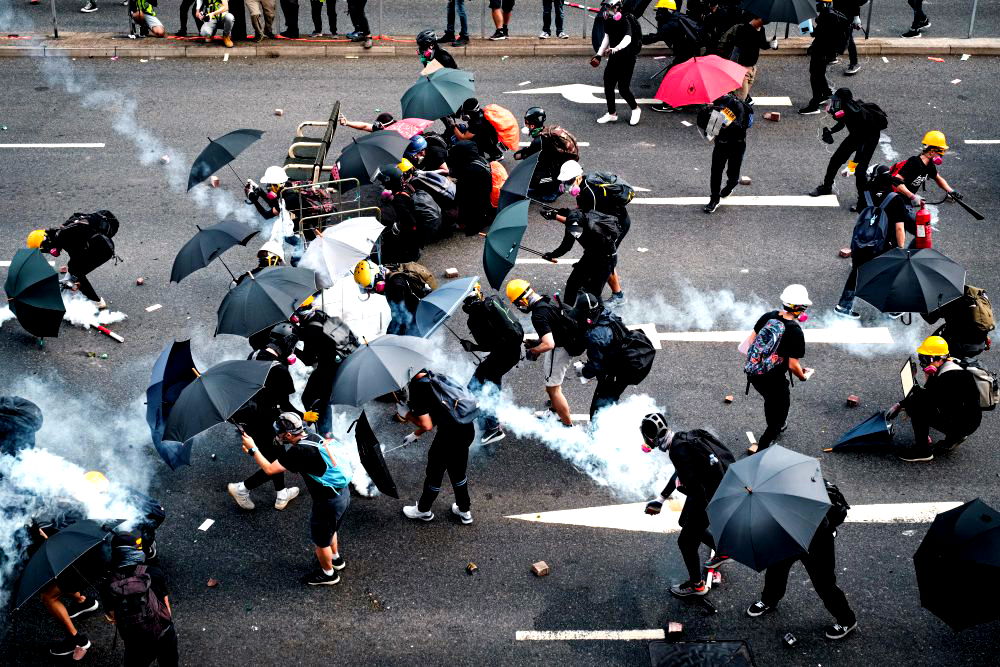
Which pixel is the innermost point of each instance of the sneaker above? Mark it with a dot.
(319, 578)
(809, 110)
(101, 304)
(616, 300)
(316, 33)
(75, 608)
(563, 35)
(284, 497)
(354, 36)
(758, 609)
(288, 34)
(634, 118)
(463, 40)
(465, 517)
(689, 588)
(608, 118)
(728, 190)
(662, 108)
(413, 512)
(852, 69)
(368, 42)
(227, 41)
(498, 35)
(846, 312)
(181, 33)
(71, 646)
(912, 32)
(915, 457)
(923, 25)
(712, 204)
(493, 435)
(86, 9)
(339, 563)
(544, 35)
(894, 316)
(241, 495)
(821, 190)
(448, 36)
(838, 631)
(717, 560)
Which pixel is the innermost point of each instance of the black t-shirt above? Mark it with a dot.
(307, 461)
(914, 173)
(896, 211)
(445, 58)
(749, 41)
(546, 318)
(792, 344)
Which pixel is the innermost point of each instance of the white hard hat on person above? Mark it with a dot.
(569, 171)
(795, 295)
(273, 248)
(274, 175)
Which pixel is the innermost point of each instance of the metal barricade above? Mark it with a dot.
(340, 216)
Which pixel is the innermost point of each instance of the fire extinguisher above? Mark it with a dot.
(924, 229)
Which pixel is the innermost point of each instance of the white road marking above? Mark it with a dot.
(51, 145)
(582, 144)
(736, 200)
(570, 635)
(539, 260)
(836, 335)
(155, 306)
(582, 93)
(982, 141)
(751, 438)
(206, 524)
(6, 263)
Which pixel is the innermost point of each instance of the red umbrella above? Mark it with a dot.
(408, 127)
(700, 81)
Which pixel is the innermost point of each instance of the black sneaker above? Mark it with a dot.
(288, 34)
(838, 631)
(86, 9)
(447, 37)
(846, 312)
(498, 35)
(726, 191)
(689, 588)
(75, 608)
(662, 107)
(821, 190)
(493, 435)
(68, 645)
(758, 609)
(912, 32)
(462, 40)
(319, 578)
(922, 25)
(717, 560)
(339, 563)
(809, 110)
(712, 204)
(852, 69)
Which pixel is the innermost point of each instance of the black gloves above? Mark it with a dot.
(549, 213)
(827, 136)
(564, 212)
(548, 257)
(654, 506)
(956, 195)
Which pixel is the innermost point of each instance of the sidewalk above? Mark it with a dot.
(100, 45)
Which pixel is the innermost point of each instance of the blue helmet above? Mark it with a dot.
(417, 144)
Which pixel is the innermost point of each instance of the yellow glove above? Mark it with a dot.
(310, 416)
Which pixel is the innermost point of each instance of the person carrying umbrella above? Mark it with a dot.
(271, 253)
(733, 116)
(598, 234)
(829, 39)
(700, 461)
(554, 146)
(326, 481)
(403, 286)
(948, 402)
(619, 29)
(678, 31)
(968, 321)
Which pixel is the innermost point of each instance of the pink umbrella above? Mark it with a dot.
(700, 81)
(410, 126)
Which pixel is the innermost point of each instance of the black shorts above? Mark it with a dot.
(326, 515)
(505, 5)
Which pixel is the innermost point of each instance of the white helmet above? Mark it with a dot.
(273, 248)
(569, 171)
(274, 175)
(795, 295)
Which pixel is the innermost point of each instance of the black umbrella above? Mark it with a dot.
(380, 367)
(963, 544)
(362, 157)
(219, 153)
(33, 293)
(214, 397)
(172, 372)
(907, 280)
(264, 299)
(768, 506)
(208, 244)
(781, 11)
(516, 187)
(438, 94)
(370, 453)
(873, 433)
(59, 552)
(20, 419)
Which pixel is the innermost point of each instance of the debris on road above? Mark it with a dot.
(376, 604)
(155, 306)
(213, 457)
(140, 281)
(673, 631)
(774, 116)
(789, 639)
(884, 59)
(745, 180)
(965, 56)
(214, 181)
(909, 533)
(471, 569)
(279, 112)
(935, 60)
(451, 273)
(685, 123)
(956, 81)
(109, 333)
(212, 583)
(164, 159)
(225, 58)
(853, 401)
(206, 524)
(104, 355)
(541, 569)
(642, 249)
(845, 252)
(524, 83)
(729, 398)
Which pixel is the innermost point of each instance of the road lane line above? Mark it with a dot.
(582, 93)
(833, 336)
(571, 635)
(583, 144)
(736, 200)
(51, 145)
(982, 141)
(6, 263)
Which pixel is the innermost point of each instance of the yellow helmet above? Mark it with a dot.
(933, 346)
(935, 139)
(308, 302)
(405, 165)
(98, 479)
(666, 4)
(366, 273)
(518, 289)
(36, 238)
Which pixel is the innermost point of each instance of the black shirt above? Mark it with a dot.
(307, 460)
(792, 344)
(915, 173)
(546, 318)
(747, 43)
(444, 58)
(896, 211)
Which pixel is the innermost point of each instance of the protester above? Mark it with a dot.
(721, 17)
(316, 8)
(214, 15)
(555, 147)
(920, 20)
(559, 340)
(276, 198)
(326, 481)
(748, 39)
(918, 169)
(678, 31)
(362, 32)
(948, 402)
(449, 452)
(597, 233)
(382, 121)
(700, 461)
(290, 9)
(621, 43)
(88, 239)
(143, 12)
(187, 7)
(501, 11)
(499, 333)
(473, 186)
(326, 342)
(733, 116)
(417, 216)
(403, 286)
(829, 39)
(262, 15)
(429, 49)
(449, 32)
(471, 124)
(968, 321)
(774, 349)
(547, 7)
(852, 10)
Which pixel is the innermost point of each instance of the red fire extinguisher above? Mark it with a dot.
(924, 230)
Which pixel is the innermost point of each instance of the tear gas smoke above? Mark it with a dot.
(81, 312)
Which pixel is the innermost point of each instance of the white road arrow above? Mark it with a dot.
(582, 93)
(736, 200)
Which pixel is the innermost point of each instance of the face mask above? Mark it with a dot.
(387, 195)
(380, 287)
(802, 317)
(54, 252)
(930, 370)
(574, 190)
(613, 15)
(937, 160)
(429, 53)
(292, 359)
(535, 131)
(272, 195)
(838, 114)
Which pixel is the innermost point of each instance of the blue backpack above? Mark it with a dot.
(762, 356)
(456, 399)
(871, 231)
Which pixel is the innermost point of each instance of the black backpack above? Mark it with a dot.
(334, 332)
(609, 188)
(871, 231)
(603, 230)
(101, 222)
(139, 614)
(576, 342)
(873, 115)
(717, 454)
(505, 328)
(456, 399)
(636, 353)
(837, 513)
(427, 213)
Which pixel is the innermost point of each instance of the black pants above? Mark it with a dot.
(356, 8)
(820, 563)
(852, 48)
(75, 270)
(618, 72)
(918, 11)
(188, 6)
(922, 425)
(728, 156)
(693, 534)
(863, 148)
(588, 275)
(609, 390)
(820, 84)
(317, 15)
(162, 650)
(773, 387)
(448, 453)
(547, 6)
(290, 8)
(491, 371)
(270, 450)
(858, 259)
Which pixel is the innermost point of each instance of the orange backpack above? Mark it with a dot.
(504, 122)
(499, 176)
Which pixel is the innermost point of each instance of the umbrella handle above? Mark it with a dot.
(527, 249)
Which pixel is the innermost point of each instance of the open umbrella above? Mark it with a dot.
(768, 506)
(908, 280)
(438, 306)
(370, 454)
(173, 371)
(59, 552)
(362, 157)
(438, 94)
(503, 241)
(700, 80)
(515, 188)
(208, 244)
(33, 293)
(781, 11)
(873, 433)
(219, 153)
(262, 300)
(408, 127)
(963, 544)
(341, 247)
(214, 397)
(380, 367)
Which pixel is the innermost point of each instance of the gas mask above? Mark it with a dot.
(534, 131)
(937, 160)
(387, 195)
(611, 14)
(927, 365)
(54, 252)
(571, 187)
(798, 312)
(272, 191)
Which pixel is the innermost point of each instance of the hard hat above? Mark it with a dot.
(535, 116)
(517, 289)
(98, 479)
(417, 144)
(405, 165)
(933, 346)
(654, 429)
(936, 139)
(274, 175)
(666, 4)
(36, 238)
(612, 3)
(426, 38)
(284, 337)
(308, 302)
(272, 248)
(366, 273)
(795, 295)
(569, 171)
(289, 422)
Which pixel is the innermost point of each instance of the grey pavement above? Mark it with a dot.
(406, 598)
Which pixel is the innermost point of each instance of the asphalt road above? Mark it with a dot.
(405, 597)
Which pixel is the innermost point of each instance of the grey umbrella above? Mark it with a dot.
(436, 307)
(768, 506)
(262, 300)
(383, 366)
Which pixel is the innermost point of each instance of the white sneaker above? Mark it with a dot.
(101, 304)
(634, 119)
(563, 35)
(543, 35)
(285, 496)
(608, 118)
(241, 495)
(413, 512)
(466, 517)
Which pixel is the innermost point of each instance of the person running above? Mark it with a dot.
(829, 39)
(774, 350)
(449, 452)
(852, 10)
(555, 147)
(316, 9)
(429, 49)
(621, 44)
(920, 20)
(700, 461)
(88, 239)
(559, 340)
(499, 333)
(501, 11)
(597, 233)
(730, 144)
(547, 8)
(918, 169)
(327, 482)
(449, 32)
(215, 15)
